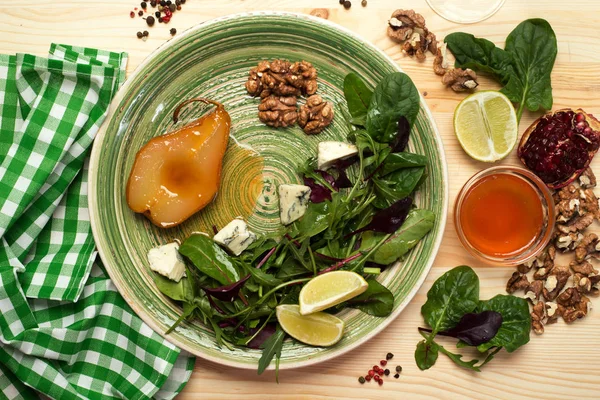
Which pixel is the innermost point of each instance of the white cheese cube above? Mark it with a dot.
(167, 261)
(330, 152)
(235, 236)
(293, 202)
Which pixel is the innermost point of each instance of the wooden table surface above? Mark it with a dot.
(563, 363)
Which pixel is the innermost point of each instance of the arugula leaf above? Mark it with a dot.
(394, 97)
(453, 295)
(426, 354)
(271, 348)
(210, 259)
(417, 225)
(457, 358)
(358, 96)
(377, 300)
(262, 277)
(533, 47)
(516, 322)
(480, 54)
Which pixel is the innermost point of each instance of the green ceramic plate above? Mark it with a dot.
(212, 60)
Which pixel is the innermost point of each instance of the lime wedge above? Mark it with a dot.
(486, 125)
(330, 289)
(317, 329)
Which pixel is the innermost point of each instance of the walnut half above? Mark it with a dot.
(315, 115)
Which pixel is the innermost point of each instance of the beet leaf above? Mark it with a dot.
(475, 328)
(227, 292)
(401, 140)
(318, 193)
(389, 219)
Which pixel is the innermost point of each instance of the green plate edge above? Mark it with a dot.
(194, 338)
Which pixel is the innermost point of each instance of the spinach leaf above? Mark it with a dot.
(417, 225)
(210, 259)
(358, 96)
(533, 47)
(314, 220)
(516, 322)
(271, 348)
(453, 295)
(396, 161)
(396, 186)
(394, 97)
(171, 289)
(377, 300)
(480, 54)
(474, 329)
(426, 354)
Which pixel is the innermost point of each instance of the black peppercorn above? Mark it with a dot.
(150, 20)
(386, 372)
(157, 14)
(397, 376)
(389, 356)
(145, 33)
(143, 4)
(347, 4)
(163, 3)
(173, 31)
(363, 3)
(172, 7)
(182, 1)
(169, 2)
(160, 19)
(153, 3)
(361, 380)
(139, 35)
(398, 369)
(140, 13)
(177, 2)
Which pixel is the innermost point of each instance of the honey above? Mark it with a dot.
(501, 215)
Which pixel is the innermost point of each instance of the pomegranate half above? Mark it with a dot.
(559, 146)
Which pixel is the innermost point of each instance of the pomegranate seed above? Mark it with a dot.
(371, 373)
(377, 378)
(383, 363)
(579, 117)
(375, 367)
(380, 382)
(368, 378)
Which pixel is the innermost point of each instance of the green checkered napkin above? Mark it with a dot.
(65, 331)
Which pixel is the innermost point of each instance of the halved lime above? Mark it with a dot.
(486, 125)
(330, 289)
(317, 329)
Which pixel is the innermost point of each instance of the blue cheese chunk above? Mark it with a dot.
(167, 261)
(293, 201)
(235, 236)
(330, 152)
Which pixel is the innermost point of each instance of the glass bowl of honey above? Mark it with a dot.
(504, 215)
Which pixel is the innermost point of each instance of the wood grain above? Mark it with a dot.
(561, 364)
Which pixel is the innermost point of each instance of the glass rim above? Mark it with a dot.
(547, 204)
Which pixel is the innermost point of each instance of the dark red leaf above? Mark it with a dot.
(475, 329)
(318, 193)
(388, 220)
(401, 140)
(227, 292)
(262, 336)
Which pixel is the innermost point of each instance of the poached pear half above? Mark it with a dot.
(177, 174)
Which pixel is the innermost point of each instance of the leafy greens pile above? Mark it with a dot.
(360, 218)
(523, 67)
(453, 309)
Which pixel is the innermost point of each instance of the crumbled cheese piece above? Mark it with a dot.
(167, 261)
(330, 152)
(235, 236)
(293, 202)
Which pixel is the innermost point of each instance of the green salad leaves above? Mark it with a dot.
(361, 218)
(453, 309)
(523, 67)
